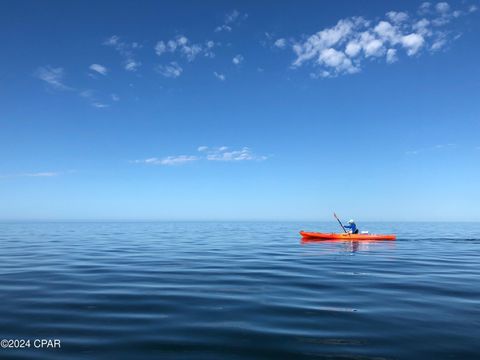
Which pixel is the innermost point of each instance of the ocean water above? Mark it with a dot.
(239, 290)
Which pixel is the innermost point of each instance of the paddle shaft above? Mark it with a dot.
(343, 227)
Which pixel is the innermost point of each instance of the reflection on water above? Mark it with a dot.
(350, 246)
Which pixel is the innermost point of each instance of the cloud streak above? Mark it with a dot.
(438, 147)
(172, 70)
(52, 76)
(169, 160)
(92, 97)
(223, 153)
(99, 69)
(219, 76)
(45, 174)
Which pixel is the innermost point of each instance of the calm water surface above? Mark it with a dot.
(239, 291)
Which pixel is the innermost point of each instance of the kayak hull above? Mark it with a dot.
(345, 236)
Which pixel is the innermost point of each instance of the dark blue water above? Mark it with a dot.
(239, 291)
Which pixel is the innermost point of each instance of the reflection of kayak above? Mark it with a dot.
(345, 236)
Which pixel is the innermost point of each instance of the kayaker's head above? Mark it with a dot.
(351, 221)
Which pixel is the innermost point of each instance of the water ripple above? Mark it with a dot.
(239, 291)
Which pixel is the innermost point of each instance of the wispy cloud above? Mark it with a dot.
(345, 47)
(219, 76)
(434, 148)
(169, 160)
(172, 70)
(54, 79)
(126, 50)
(225, 154)
(222, 153)
(132, 65)
(92, 97)
(231, 19)
(99, 105)
(280, 43)
(99, 69)
(237, 59)
(35, 174)
(53, 76)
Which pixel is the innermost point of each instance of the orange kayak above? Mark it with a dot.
(345, 236)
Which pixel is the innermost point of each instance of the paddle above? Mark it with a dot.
(339, 222)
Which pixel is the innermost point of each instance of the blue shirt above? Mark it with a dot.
(352, 227)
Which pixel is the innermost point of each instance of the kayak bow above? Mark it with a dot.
(325, 236)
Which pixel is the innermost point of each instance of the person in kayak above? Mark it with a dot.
(352, 226)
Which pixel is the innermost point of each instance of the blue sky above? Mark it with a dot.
(214, 110)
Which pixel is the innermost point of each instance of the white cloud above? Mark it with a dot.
(126, 50)
(182, 45)
(202, 148)
(112, 41)
(336, 59)
(223, 27)
(172, 70)
(190, 52)
(324, 39)
(219, 76)
(100, 69)
(397, 17)
(115, 97)
(52, 76)
(439, 43)
(280, 43)
(353, 49)
(232, 18)
(208, 49)
(391, 56)
(374, 47)
(387, 32)
(422, 27)
(238, 59)
(160, 48)
(442, 7)
(346, 46)
(412, 42)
